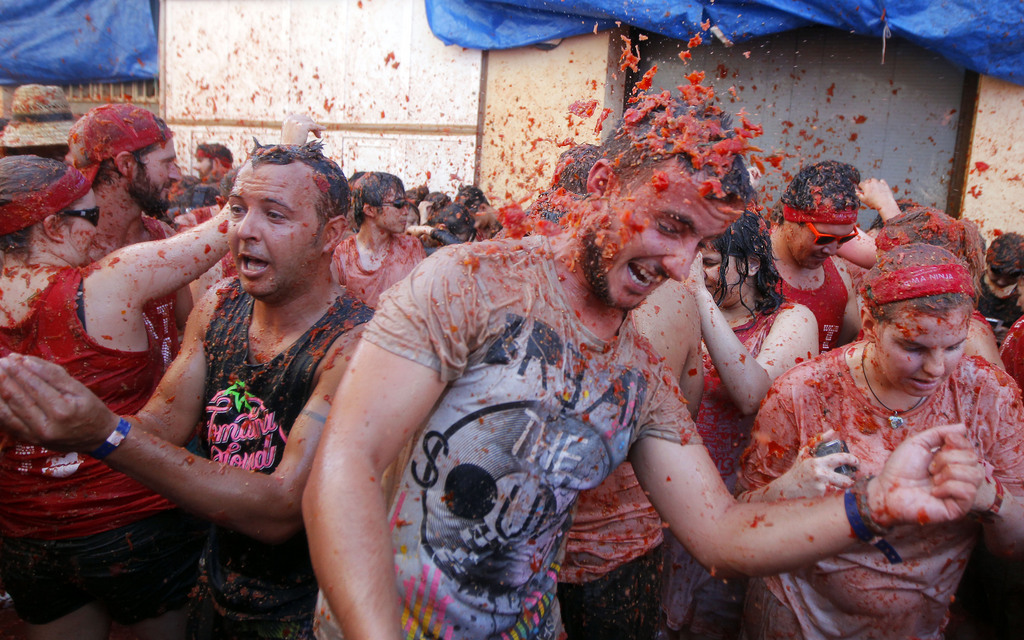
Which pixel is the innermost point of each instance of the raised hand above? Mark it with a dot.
(933, 476)
(296, 127)
(42, 404)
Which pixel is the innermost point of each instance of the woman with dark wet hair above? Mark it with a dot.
(68, 519)
(751, 337)
(907, 375)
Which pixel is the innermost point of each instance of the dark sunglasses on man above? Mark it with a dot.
(398, 203)
(92, 216)
(822, 239)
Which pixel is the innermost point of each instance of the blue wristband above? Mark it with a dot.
(114, 440)
(861, 530)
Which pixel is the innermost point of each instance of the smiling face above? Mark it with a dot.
(276, 236)
(650, 229)
(914, 352)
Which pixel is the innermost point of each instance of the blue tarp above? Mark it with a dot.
(76, 41)
(986, 36)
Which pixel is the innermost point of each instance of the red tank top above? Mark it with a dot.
(827, 303)
(51, 495)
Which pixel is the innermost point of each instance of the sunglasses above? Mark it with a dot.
(92, 216)
(822, 239)
(398, 204)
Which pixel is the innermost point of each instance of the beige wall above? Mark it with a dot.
(391, 95)
(526, 109)
(994, 196)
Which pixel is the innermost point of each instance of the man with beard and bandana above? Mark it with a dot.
(520, 381)
(127, 154)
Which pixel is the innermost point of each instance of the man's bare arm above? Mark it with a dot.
(45, 405)
(917, 484)
(344, 505)
(670, 321)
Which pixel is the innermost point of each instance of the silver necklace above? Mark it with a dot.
(896, 421)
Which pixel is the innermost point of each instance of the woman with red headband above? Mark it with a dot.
(84, 544)
(925, 225)
(906, 375)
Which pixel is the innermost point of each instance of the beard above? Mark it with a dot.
(147, 195)
(595, 268)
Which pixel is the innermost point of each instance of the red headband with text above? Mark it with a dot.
(30, 207)
(918, 282)
(823, 215)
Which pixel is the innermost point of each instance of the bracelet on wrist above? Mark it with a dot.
(860, 490)
(989, 515)
(861, 530)
(113, 441)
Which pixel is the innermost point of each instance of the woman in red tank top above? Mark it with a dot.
(94, 321)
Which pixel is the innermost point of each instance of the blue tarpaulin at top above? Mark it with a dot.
(986, 36)
(76, 41)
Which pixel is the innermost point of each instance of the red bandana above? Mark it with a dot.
(31, 207)
(918, 282)
(824, 215)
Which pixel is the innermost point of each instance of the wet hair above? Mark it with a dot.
(926, 225)
(1005, 256)
(20, 175)
(438, 201)
(569, 182)
(417, 194)
(828, 184)
(227, 183)
(749, 238)
(371, 190)
(456, 219)
(218, 152)
(912, 255)
(335, 199)
(574, 167)
(107, 172)
(694, 132)
(471, 197)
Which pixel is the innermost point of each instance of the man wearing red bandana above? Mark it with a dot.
(819, 213)
(127, 154)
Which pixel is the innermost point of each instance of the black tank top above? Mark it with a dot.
(250, 409)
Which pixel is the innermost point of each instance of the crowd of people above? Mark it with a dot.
(276, 400)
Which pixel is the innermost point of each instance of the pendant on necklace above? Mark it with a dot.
(896, 422)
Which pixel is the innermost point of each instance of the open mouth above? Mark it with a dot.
(251, 266)
(643, 276)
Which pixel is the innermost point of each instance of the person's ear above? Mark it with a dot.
(601, 177)
(753, 264)
(868, 323)
(55, 228)
(333, 233)
(125, 163)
